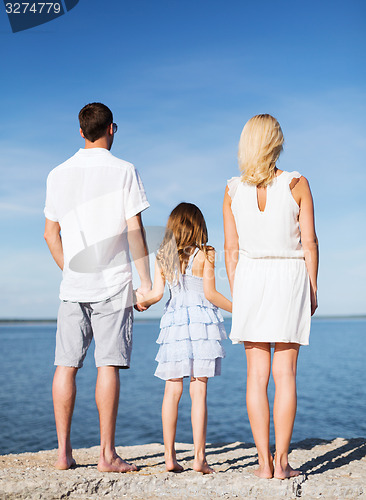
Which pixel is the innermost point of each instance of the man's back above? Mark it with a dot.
(91, 196)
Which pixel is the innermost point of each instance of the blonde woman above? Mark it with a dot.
(273, 280)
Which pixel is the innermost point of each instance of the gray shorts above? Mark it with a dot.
(109, 322)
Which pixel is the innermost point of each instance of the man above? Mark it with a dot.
(95, 200)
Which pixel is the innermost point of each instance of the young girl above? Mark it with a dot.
(191, 328)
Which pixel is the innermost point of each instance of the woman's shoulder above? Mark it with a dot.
(294, 174)
(298, 186)
(232, 185)
(295, 178)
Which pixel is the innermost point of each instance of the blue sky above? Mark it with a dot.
(182, 78)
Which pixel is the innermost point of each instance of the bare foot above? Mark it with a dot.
(173, 466)
(116, 464)
(286, 472)
(65, 463)
(202, 466)
(264, 472)
(171, 463)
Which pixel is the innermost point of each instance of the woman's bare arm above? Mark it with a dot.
(209, 284)
(231, 240)
(309, 240)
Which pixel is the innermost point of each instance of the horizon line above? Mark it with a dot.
(149, 318)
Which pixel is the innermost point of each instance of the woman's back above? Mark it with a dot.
(273, 232)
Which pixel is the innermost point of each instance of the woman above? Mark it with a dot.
(273, 280)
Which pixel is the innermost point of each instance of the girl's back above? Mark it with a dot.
(191, 328)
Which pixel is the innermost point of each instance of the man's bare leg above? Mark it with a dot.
(64, 393)
(107, 397)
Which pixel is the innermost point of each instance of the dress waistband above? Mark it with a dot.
(285, 254)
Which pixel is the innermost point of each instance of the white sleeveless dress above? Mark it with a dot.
(271, 296)
(192, 329)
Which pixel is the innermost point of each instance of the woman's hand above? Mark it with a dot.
(313, 300)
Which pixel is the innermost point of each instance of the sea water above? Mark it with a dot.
(331, 389)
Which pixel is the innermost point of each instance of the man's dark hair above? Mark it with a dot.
(94, 120)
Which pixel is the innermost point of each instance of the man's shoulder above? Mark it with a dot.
(107, 159)
(65, 164)
(118, 162)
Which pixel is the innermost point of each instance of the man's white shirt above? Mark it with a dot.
(91, 196)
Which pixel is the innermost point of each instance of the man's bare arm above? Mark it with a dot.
(54, 242)
(139, 251)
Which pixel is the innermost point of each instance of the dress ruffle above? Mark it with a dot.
(193, 332)
(189, 368)
(189, 298)
(185, 349)
(189, 315)
(233, 184)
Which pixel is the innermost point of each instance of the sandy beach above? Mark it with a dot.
(330, 470)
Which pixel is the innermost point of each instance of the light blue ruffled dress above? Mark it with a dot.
(191, 331)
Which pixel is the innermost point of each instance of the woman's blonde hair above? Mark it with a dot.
(260, 146)
(186, 230)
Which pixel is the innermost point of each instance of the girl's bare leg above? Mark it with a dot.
(258, 373)
(284, 410)
(169, 415)
(198, 392)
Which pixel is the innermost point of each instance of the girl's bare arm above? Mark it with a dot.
(157, 291)
(209, 285)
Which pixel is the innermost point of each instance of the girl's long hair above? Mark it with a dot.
(185, 230)
(260, 146)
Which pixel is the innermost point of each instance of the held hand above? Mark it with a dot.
(138, 297)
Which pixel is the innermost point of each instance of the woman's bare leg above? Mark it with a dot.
(258, 373)
(198, 392)
(169, 415)
(284, 410)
